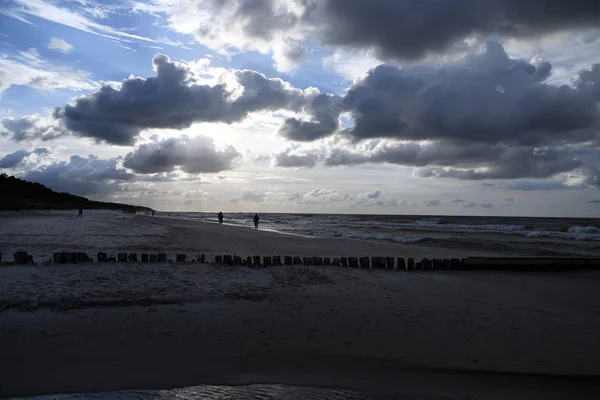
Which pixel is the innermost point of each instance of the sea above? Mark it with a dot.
(523, 236)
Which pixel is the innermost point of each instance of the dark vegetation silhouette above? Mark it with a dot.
(17, 194)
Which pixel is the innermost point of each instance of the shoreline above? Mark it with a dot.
(43, 234)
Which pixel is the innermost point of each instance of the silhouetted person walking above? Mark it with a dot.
(256, 219)
(220, 217)
(80, 213)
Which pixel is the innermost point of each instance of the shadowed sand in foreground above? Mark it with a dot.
(74, 328)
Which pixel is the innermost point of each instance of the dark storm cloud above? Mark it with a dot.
(513, 164)
(31, 127)
(401, 29)
(172, 99)
(410, 29)
(485, 98)
(82, 176)
(324, 110)
(191, 155)
(286, 160)
(261, 19)
(14, 159)
(415, 154)
(486, 117)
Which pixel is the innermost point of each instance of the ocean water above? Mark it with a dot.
(510, 235)
(260, 392)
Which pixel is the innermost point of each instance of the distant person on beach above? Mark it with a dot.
(80, 213)
(220, 217)
(153, 213)
(256, 219)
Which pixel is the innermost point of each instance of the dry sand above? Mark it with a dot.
(74, 328)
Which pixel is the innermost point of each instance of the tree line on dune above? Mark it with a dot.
(18, 194)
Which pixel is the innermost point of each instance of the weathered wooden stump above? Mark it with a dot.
(390, 263)
(145, 257)
(437, 264)
(20, 257)
(335, 262)
(180, 258)
(378, 262)
(427, 264)
(344, 262)
(419, 266)
(364, 262)
(72, 257)
(81, 257)
(446, 263)
(256, 262)
(102, 257)
(288, 260)
(218, 259)
(153, 257)
(307, 260)
(267, 261)
(410, 266)
(132, 257)
(352, 262)
(374, 262)
(122, 257)
(202, 259)
(162, 257)
(249, 261)
(455, 264)
(327, 261)
(228, 260)
(317, 261)
(401, 264)
(276, 260)
(237, 260)
(297, 260)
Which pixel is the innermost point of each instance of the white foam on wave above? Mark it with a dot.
(584, 229)
(380, 236)
(466, 227)
(585, 233)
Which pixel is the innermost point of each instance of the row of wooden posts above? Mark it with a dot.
(22, 258)
(399, 263)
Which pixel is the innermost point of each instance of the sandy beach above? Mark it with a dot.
(96, 327)
(42, 232)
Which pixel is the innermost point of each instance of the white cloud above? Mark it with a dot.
(60, 45)
(21, 9)
(218, 26)
(27, 68)
(351, 64)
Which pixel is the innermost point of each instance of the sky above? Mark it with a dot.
(454, 107)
